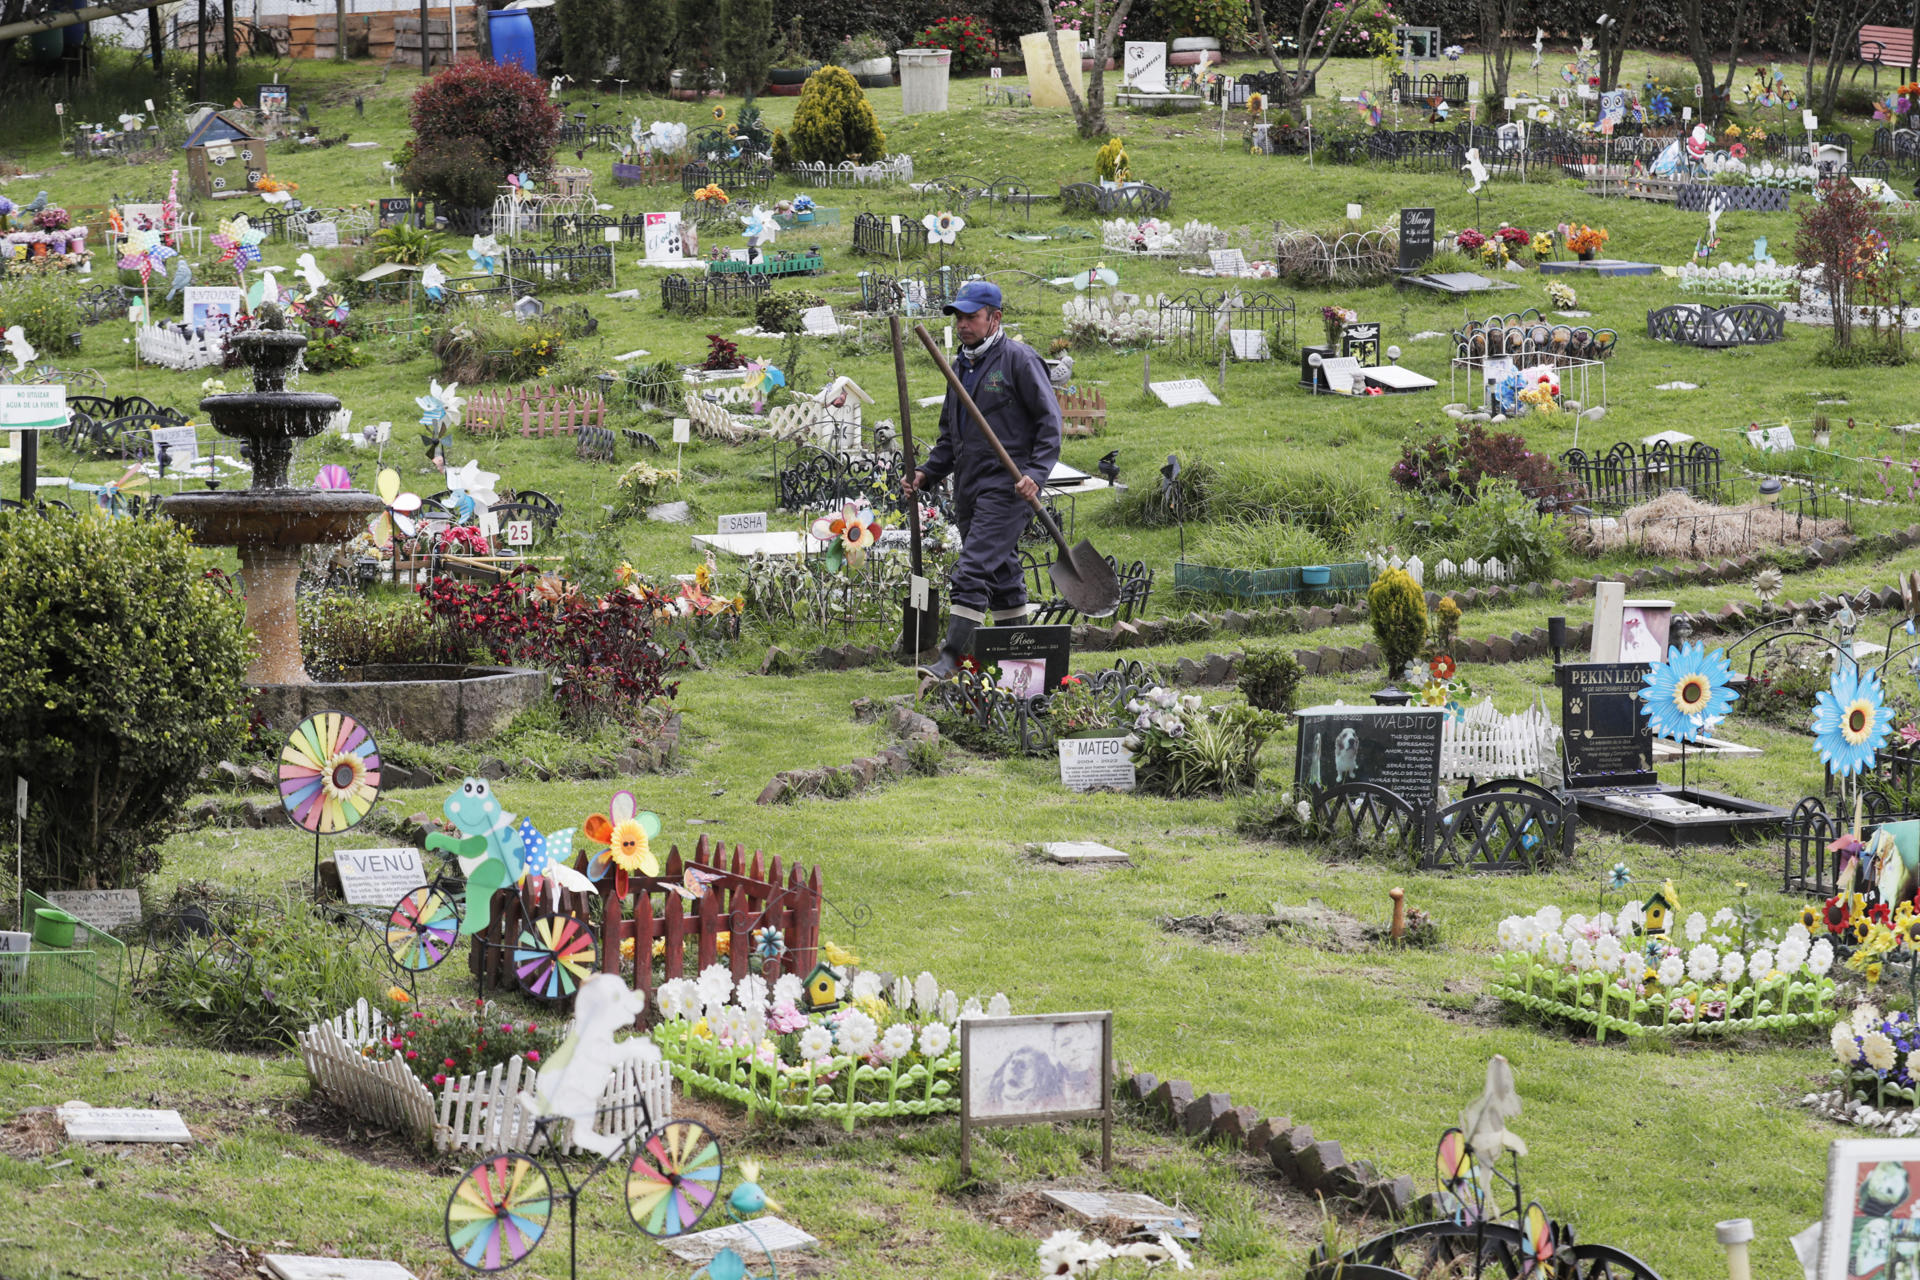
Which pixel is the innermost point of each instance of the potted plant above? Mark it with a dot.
(791, 65)
(1587, 241)
(866, 56)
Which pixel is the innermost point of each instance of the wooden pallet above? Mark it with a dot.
(1082, 414)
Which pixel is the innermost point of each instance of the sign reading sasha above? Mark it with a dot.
(1035, 1069)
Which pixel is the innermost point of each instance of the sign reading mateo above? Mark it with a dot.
(1089, 763)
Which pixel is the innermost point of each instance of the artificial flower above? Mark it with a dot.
(934, 1039)
(897, 1042)
(1850, 720)
(857, 1033)
(1846, 1049)
(1878, 1051)
(628, 832)
(815, 1044)
(714, 985)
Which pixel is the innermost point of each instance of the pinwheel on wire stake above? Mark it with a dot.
(1850, 721)
(1098, 274)
(484, 253)
(397, 521)
(329, 777)
(628, 832)
(847, 535)
(144, 251)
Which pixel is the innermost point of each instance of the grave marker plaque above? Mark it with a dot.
(1608, 742)
(1032, 660)
(1416, 237)
(396, 211)
(1086, 763)
(1393, 747)
(1145, 67)
(1227, 262)
(104, 909)
(378, 877)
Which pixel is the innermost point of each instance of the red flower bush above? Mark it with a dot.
(602, 653)
(463, 540)
(969, 38)
(504, 107)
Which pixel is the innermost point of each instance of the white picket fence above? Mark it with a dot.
(156, 345)
(1489, 570)
(1487, 744)
(482, 1112)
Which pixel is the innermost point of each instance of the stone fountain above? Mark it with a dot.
(270, 523)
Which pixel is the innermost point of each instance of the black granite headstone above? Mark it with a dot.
(1608, 742)
(1416, 237)
(1393, 747)
(1025, 652)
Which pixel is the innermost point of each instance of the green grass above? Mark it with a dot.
(1642, 1148)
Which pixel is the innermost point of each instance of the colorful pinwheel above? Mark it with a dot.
(145, 253)
(1689, 693)
(329, 773)
(763, 380)
(112, 495)
(483, 254)
(334, 476)
(334, 310)
(239, 241)
(440, 405)
(518, 184)
(628, 832)
(398, 517)
(1850, 720)
(1368, 107)
(943, 227)
(847, 535)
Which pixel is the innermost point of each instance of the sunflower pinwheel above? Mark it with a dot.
(1689, 693)
(943, 227)
(1850, 720)
(239, 241)
(398, 517)
(847, 535)
(712, 194)
(146, 253)
(628, 832)
(329, 773)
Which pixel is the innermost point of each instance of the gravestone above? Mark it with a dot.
(323, 235)
(819, 320)
(774, 1235)
(743, 522)
(1249, 344)
(1416, 237)
(378, 877)
(1145, 67)
(181, 443)
(1393, 747)
(1086, 763)
(103, 909)
(1608, 742)
(396, 211)
(1033, 659)
(121, 1124)
(1183, 391)
(288, 1266)
(1361, 341)
(1127, 1206)
(1081, 852)
(1227, 262)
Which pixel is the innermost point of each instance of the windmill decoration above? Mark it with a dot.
(1483, 1223)
(1687, 695)
(329, 777)
(746, 1200)
(500, 1209)
(397, 521)
(146, 252)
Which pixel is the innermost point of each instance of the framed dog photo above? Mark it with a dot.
(1869, 1228)
(1035, 1069)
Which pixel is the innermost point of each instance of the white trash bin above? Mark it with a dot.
(923, 80)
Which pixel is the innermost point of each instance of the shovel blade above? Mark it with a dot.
(1086, 581)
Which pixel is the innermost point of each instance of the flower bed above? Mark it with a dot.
(888, 1051)
(1608, 974)
(347, 1060)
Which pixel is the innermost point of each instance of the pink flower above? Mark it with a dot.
(533, 1055)
(448, 1063)
(412, 1054)
(439, 1078)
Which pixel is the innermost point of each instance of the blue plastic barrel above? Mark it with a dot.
(511, 31)
(77, 33)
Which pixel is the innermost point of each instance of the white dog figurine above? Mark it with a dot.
(572, 1080)
(1346, 756)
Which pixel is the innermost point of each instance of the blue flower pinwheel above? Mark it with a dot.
(1688, 692)
(1850, 720)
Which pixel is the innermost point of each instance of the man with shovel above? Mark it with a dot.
(1008, 381)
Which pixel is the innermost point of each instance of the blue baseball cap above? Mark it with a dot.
(973, 295)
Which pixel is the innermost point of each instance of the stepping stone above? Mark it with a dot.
(85, 1123)
(1677, 386)
(772, 1234)
(289, 1266)
(1096, 1206)
(670, 513)
(1081, 853)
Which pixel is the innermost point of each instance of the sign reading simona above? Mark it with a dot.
(39, 407)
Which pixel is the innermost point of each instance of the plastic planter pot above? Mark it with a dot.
(1315, 575)
(53, 927)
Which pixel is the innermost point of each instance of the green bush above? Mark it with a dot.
(266, 972)
(1398, 612)
(340, 630)
(834, 122)
(47, 309)
(781, 151)
(126, 676)
(458, 172)
(780, 312)
(1269, 678)
(1181, 748)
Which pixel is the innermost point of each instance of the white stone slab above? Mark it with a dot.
(1672, 439)
(86, 1123)
(1144, 66)
(1678, 386)
(1665, 749)
(289, 1266)
(1185, 391)
(107, 909)
(1398, 377)
(1227, 262)
(774, 1235)
(1081, 852)
(1097, 1206)
(819, 320)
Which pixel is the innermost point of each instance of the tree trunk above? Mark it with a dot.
(200, 67)
(1617, 38)
(1090, 113)
(157, 38)
(340, 30)
(227, 51)
(1311, 19)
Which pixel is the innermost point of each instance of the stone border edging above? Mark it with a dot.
(1313, 1165)
(909, 728)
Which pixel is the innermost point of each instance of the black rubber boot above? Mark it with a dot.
(959, 640)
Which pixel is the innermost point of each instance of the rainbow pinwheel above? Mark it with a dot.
(847, 535)
(145, 253)
(334, 310)
(440, 405)
(239, 241)
(628, 832)
(333, 476)
(329, 773)
(484, 253)
(112, 495)
(1366, 104)
(398, 517)
(763, 380)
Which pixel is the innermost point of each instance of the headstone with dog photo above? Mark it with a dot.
(1393, 747)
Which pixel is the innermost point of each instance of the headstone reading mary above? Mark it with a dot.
(1416, 237)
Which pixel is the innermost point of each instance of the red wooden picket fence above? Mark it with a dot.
(749, 894)
(539, 411)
